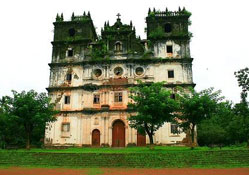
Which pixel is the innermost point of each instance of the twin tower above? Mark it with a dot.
(90, 77)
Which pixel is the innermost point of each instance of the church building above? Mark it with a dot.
(90, 77)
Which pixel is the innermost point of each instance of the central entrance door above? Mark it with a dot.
(118, 134)
(96, 138)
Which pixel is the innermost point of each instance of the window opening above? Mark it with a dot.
(69, 77)
(96, 99)
(118, 97)
(170, 74)
(70, 52)
(65, 127)
(167, 28)
(169, 49)
(173, 96)
(71, 32)
(67, 99)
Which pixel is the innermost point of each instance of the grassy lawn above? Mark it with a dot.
(131, 157)
(157, 149)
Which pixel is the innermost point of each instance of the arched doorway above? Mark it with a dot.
(118, 134)
(141, 139)
(96, 137)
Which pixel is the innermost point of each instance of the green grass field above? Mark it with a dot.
(132, 157)
(157, 149)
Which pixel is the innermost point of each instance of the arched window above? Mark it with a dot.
(118, 46)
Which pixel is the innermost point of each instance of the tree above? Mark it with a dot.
(243, 80)
(242, 109)
(29, 110)
(195, 107)
(214, 131)
(153, 106)
(240, 123)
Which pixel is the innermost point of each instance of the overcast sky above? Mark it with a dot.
(219, 47)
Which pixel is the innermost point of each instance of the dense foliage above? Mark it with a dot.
(154, 107)
(23, 118)
(196, 107)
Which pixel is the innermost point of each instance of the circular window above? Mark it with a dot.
(71, 32)
(97, 72)
(118, 71)
(139, 71)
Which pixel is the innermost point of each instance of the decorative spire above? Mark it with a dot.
(57, 17)
(131, 23)
(84, 14)
(166, 10)
(183, 9)
(88, 14)
(149, 11)
(107, 24)
(154, 10)
(179, 9)
(62, 18)
(72, 18)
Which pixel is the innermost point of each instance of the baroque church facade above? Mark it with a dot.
(90, 77)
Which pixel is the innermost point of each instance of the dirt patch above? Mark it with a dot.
(42, 171)
(121, 171)
(180, 171)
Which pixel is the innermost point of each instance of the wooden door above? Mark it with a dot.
(118, 134)
(141, 139)
(96, 138)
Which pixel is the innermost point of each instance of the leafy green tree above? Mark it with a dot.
(242, 109)
(214, 130)
(28, 111)
(240, 123)
(243, 80)
(196, 107)
(153, 106)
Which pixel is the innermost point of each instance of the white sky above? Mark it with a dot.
(219, 47)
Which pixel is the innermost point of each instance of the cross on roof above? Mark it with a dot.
(118, 15)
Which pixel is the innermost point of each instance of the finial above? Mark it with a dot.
(134, 28)
(149, 11)
(179, 9)
(57, 17)
(130, 23)
(84, 14)
(183, 9)
(166, 9)
(62, 18)
(88, 14)
(72, 18)
(154, 10)
(118, 15)
(107, 24)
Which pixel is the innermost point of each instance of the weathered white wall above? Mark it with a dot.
(82, 125)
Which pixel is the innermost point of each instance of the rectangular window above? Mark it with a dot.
(65, 127)
(170, 74)
(118, 97)
(96, 99)
(67, 99)
(174, 129)
(169, 49)
(70, 52)
(173, 96)
(69, 77)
